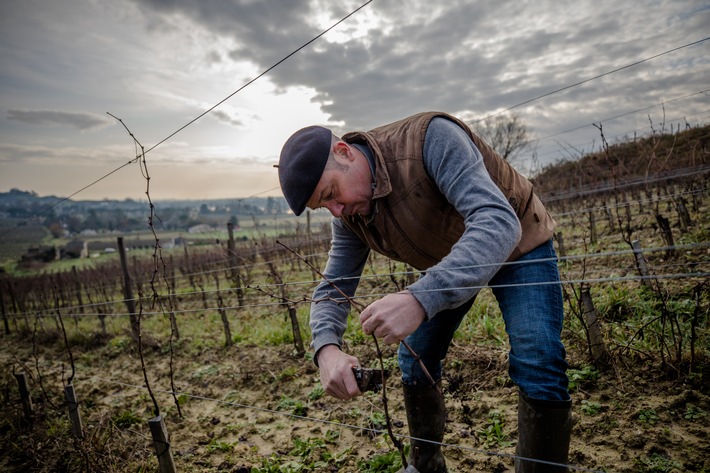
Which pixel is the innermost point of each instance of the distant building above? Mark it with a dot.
(201, 228)
(75, 249)
(42, 254)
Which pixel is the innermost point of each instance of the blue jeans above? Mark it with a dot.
(530, 298)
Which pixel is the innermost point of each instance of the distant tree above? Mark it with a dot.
(92, 220)
(508, 135)
(55, 228)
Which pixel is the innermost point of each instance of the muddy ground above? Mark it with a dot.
(260, 409)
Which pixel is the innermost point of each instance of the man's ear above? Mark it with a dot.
(342, 150)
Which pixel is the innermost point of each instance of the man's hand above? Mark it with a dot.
(336, 372)
(393, 317)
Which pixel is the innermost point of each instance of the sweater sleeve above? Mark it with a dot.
(329, 310)
(491, 227)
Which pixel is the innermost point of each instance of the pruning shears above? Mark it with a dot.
(369, 379)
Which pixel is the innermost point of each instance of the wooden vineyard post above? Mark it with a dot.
(173, 286)
(223, 314)
(610, 218)
(77, 288)
(311, 249)
(162, 447)
(128, 291)
(666, 233)
(641, 263)
(684, 219)
(561, 245)
(297, 339)
(232, 249)
(74, 414)
(24, 395)
(3, 308)
(592, 228)
(596, 341)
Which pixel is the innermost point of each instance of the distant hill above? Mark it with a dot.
(652, 158)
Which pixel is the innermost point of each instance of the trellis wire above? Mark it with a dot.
(458, 268)
(377, 295)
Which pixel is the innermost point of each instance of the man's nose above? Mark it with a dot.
(336, 209)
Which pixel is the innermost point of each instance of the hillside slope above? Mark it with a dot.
(655, 157)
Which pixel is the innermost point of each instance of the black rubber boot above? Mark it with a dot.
(426, 417)
(544, 429)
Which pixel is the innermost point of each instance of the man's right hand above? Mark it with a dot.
(336, 372)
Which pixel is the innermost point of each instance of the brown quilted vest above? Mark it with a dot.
(412, 221)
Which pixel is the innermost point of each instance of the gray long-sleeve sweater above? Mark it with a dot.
(492, 230)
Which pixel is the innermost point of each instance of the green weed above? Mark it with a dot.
(388, 462)
(693, 413)
(287, 374)
(217, 446)
(377, 420)
(578, 378)
(312, 455)
(316, 393)
(658, 463)
(296, 407)
(183, 399)
(590, 408)
(648, 416)
(332, 436)
(304, 448)
(493, 434)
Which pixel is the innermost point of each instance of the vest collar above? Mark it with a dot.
(382, 184)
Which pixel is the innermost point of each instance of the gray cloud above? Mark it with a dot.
(159, 63)
(80, 121)
(226, 118)
(467, 57)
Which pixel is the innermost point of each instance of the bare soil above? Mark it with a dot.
(249, 408)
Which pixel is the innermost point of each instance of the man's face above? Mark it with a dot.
(345, 189)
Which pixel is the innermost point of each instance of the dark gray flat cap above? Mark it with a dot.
(301, 165)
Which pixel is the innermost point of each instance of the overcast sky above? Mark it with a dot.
(158, 64)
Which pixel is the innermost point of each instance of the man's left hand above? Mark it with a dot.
(393, 317)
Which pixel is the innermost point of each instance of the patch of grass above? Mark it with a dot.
(288, 373)
(483, 323)
(377, 420)
(295, 406)
(390, 363)
(275, 464)
(119, 343)
(658, 463)
(183, 399)
(126, 419)
(217, 446)
(206, 371)
(57, 427)
(316, 393)
(304, 448)
(311, 455)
